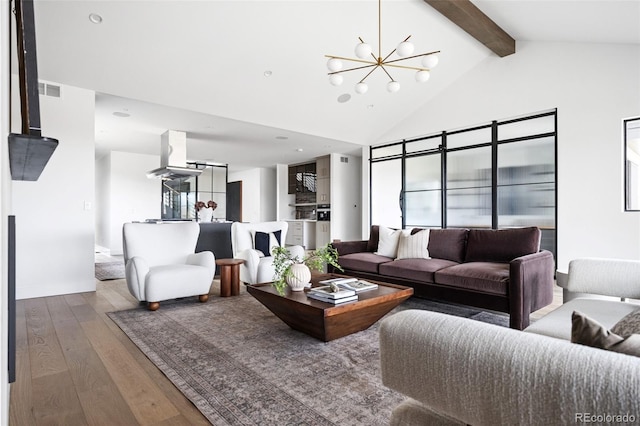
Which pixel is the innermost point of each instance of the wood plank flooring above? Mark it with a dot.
(76, 367)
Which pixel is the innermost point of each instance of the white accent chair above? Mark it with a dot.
(257, 267)
(590, 279)
(160, 263)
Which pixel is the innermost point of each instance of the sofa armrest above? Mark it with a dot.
(530, 286)
(249, 269)
(205, 259)
(349, 247)
(483, 374)
(136, 270)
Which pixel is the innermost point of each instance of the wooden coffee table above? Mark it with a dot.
(326, 321)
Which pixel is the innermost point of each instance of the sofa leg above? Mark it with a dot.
(518, 323)
(203, 298)
(153, 306)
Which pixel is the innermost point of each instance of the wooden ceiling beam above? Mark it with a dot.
(467, 16)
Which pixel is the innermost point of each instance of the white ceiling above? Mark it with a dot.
(198, 66)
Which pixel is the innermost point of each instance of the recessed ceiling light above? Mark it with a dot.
(345, 97)
(282, 138)
(299, 150)
(121, 114)
(267, 73)
(95, 18)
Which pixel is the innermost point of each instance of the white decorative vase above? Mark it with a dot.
(300, 277)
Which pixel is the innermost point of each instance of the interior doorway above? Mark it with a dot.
(234, 201)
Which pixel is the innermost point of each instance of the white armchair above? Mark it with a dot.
(160, 263)
(258, 265)
(590, 279)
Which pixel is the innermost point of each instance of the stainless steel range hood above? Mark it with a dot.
(173, 158)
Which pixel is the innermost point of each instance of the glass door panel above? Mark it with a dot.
(423, 195)
(469, 188)
(386, 185)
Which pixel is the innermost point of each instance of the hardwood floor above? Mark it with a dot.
(76, 367)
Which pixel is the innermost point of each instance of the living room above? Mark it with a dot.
(591, 81)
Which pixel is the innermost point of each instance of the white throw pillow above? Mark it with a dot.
(414, 246)
(388, 242)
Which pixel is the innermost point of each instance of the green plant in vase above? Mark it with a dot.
(288, 271)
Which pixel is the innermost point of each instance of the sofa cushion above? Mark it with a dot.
(421, 270)
(589, 332)
(487, 277)
(628, 325)
(365, 262)
(388, 241)
(448, 244)
(265, 241)
(501, 245)
(414, 245)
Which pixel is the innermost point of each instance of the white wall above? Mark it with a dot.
(127, 194)
(594, 86)
(346, 210)
(283, 210)
(364, 194)
(103, 202)
(258, 194)
(54, 215)
(268, 194)
(5, 207)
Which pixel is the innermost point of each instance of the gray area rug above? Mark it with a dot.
(109, 271)
(240, 365)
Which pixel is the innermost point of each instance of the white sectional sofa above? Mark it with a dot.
(460, 371)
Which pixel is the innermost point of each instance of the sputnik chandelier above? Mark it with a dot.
(365, 54)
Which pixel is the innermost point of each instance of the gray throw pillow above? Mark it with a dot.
(628, 325)
(586, 331)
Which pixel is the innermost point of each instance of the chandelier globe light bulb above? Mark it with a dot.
(393, 86)
(430, 61)
(363, 51)
(334, 64)
(361, 88)
(405, 49)
(336, 79)
(422, 76)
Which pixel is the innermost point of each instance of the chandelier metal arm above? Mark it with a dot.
(411, 57)
(405, 67)
(369, 73)
(351, 59)
(387, 73)
(352, 69)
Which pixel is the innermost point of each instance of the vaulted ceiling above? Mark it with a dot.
(247, 79)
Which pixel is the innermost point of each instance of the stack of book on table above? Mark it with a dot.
(354, 284)
(339, 290)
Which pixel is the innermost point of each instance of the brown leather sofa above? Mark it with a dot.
(502, 270)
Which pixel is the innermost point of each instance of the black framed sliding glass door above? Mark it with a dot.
(496, 175)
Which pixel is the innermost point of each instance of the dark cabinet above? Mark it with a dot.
(302, 178)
